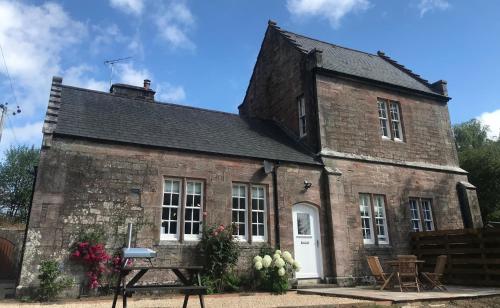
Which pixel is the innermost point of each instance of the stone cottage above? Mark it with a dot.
(335, 154)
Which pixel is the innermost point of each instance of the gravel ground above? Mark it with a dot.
(291, 299)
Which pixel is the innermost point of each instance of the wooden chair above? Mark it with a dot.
(434, 279)
(408, 272)
(377, 271)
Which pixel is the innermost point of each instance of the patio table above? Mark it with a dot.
(188, 285)
(395, 263)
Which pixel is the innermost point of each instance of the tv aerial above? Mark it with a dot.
(111, 64)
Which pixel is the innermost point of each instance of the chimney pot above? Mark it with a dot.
(147, 84)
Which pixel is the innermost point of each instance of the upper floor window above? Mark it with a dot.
(373, 219)
(174, 204)
(302, 116)
(421, 214)
(389, 115)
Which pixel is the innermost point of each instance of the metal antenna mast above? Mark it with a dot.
(111, 64)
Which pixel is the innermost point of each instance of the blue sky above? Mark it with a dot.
(201, 53)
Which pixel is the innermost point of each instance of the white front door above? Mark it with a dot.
(307, 241)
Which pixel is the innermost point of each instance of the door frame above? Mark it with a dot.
(317, 231)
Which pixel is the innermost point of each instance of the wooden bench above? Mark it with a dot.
(187, 286)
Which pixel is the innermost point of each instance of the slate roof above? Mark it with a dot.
(104, 116)
(361, 64)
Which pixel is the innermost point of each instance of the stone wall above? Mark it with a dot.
(349, 123)
(279, 78)
(397, 184)
(82, 184)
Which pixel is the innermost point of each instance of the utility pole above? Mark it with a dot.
(3, 109)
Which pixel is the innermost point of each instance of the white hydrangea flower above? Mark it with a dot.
(266, 261)
(296, 265)
(277, 252)
(257, 259)
(258, 265)
(288, 257)
(279, 263)
(276, 256)
(281, 271)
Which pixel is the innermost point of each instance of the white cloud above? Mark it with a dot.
(173, 23)
(165, 92)
(33, 39)
(432, 5)
(128, 6)
(127, 73)
(492, 119)
(29, 134)
(78, 76)
(333, 10)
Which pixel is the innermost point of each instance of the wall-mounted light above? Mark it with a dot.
(307, 185)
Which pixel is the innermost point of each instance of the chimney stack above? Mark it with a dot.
(140, 93)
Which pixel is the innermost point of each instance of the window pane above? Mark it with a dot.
(196, 228)
(175, 200)
(189, 214)
(187, 228)
(254, 204)
(164, 213)
(254, 217)
(241, 229)
(303, 224)
(196, 215)
(197, 201)
(366, 223)
(254, 229)
(415, 215)
(173, 227)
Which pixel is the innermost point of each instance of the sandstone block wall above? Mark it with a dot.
(349, 123)
(86, 184)
(398, 184)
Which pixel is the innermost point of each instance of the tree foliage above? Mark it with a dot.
(480, 156)
(16, 181)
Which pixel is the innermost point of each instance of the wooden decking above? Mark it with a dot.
(395, 297)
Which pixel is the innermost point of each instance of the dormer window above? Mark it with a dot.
(302, 116)
(389, 115)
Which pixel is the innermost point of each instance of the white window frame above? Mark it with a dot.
(390, 123)
(301, 101)
(259, 238)
(415, 215)
(193, 237)
(383, 218)
(245, 210)
(427, 209)
(171, 236)
(385, 129)
(424, 212)
(367, 198)
(395, 112)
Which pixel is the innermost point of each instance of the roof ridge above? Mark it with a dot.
(332, 44)
(395, 63)
(156, 103)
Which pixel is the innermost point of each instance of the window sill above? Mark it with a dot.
(177, 243)
(375, 247)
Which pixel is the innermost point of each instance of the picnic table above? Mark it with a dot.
(188, 285)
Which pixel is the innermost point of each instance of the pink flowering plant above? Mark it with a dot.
(220, 252)
(89, 251)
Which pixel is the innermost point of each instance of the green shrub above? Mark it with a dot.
(220, 252)
(273, 273)
(51, 282)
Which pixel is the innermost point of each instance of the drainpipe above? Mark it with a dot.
(35, 173)
(276, 207)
